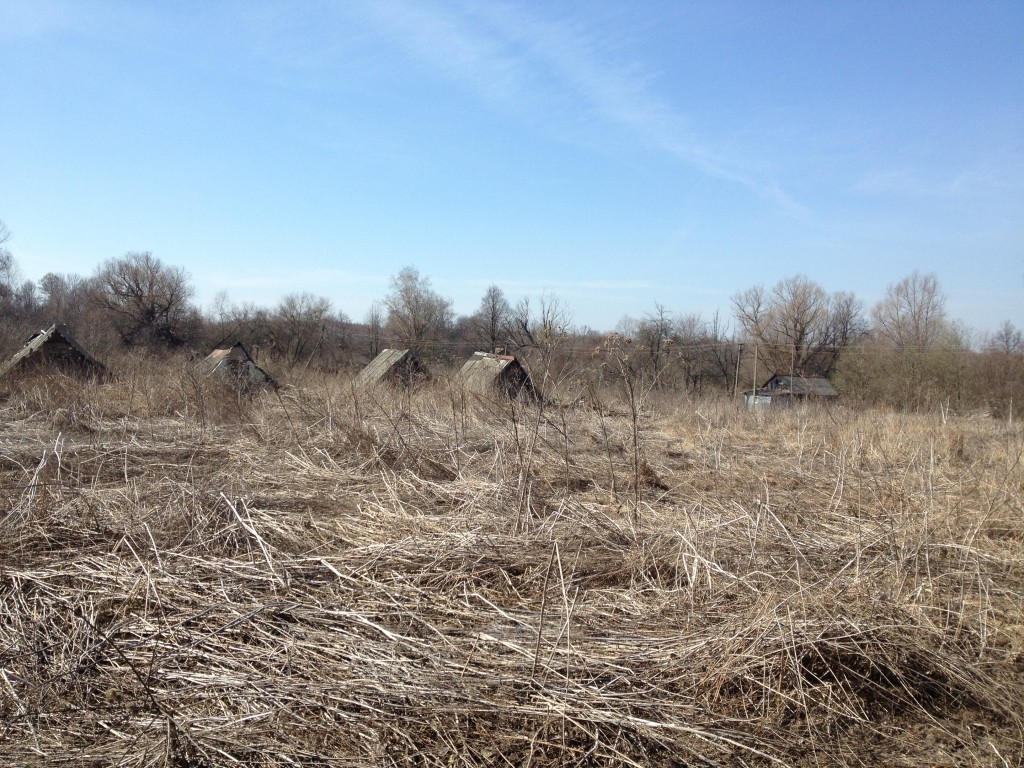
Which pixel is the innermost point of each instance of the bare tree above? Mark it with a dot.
(536, 329)
(374, 322)
(1007, 340)
(417, 315)
(8, 268)
(545, 333)
(912, 316)
(797, 327)
(846, 324)
(147, 302)
(245, 322)
(10, 320)
(656, 335)
(999, 371)
(724, 354)
(491, 321)
(65, 297)
(20, 307)
(651, 341)
(694, 349)
(914, 357)
(298, 328)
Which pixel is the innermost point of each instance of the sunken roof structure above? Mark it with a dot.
(799, 386)
(393, 366)
(488, 374)
(54, 348)
(785, 389)
(236, 362)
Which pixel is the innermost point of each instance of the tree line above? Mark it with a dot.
(904, 352)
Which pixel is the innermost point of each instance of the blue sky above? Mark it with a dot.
(615, 154)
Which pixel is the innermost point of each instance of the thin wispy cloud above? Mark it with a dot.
(290, 279)
(561, 74)
(111, 23)
(20, 18)
(547, 69)
(917, 183)
(570, 288)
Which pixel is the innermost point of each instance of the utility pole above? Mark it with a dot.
(792, 367)
(736, 380)
(753, 397)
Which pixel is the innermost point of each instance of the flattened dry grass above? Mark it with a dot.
(322, 576)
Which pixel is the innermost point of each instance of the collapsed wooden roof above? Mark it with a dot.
(235, 361)
(799, 386)
(396, 366)
(488, 374)
(54, 347)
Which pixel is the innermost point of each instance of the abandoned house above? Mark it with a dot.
(398, 367)
(54, 349)
(788, 390)
(488, 374)
(236, 363)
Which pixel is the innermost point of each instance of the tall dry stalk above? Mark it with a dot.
(637, 384)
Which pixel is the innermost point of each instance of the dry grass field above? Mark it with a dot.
(325, 577)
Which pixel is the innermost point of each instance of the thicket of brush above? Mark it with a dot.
(191, 577)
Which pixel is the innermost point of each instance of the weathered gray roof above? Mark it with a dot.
(54, 344)
(803, 386)
(236, 361)
(379, 368)
(485, 372)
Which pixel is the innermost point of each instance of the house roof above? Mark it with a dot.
(235, 353)
(54, 344)
(383, 363)
(236, 359)
(485, 371)
(804, 386)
